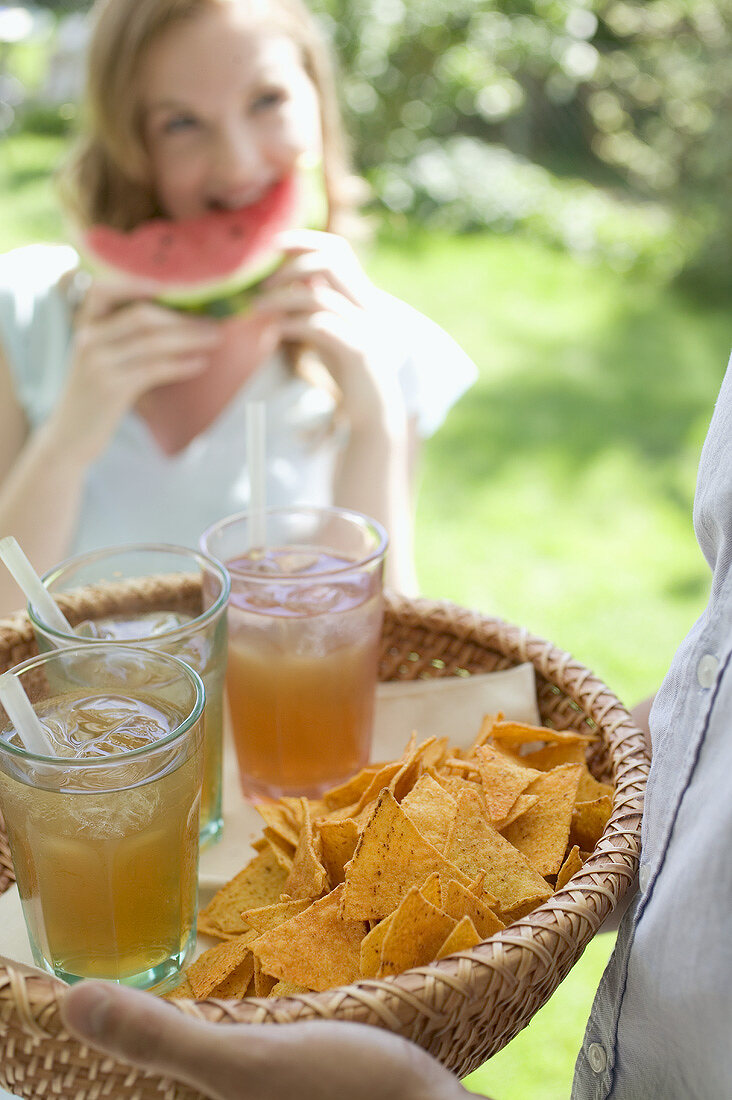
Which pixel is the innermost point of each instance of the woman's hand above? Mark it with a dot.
(318, 1060)
(123, 346)
(322, 297)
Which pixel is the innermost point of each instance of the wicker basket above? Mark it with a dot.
(462, 1009)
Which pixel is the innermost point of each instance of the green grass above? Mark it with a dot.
(558, 493)
(538, 1063)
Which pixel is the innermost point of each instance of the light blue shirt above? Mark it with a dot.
(661, 1024)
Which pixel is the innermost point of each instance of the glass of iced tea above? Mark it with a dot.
(104, 833)
(305, 619)
(167, 598)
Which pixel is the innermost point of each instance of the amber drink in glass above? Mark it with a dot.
(104, 833)
(305, 619)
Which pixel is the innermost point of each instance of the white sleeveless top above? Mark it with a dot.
(135, 492)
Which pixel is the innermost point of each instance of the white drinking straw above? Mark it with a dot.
(33, 587)
(25, 720)
(256, 457)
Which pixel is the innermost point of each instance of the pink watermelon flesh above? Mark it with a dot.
(204, 263)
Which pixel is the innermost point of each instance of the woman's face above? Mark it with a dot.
(227, 109)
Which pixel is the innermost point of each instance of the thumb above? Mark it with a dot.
(141, 1029)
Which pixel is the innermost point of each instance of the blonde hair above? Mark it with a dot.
(107, 178)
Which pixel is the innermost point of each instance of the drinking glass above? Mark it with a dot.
(305, 617)
(166, 598)
(104, 833)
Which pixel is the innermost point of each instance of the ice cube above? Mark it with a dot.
(90, 629)
(293, 562)
(312, 599)
(130, 628)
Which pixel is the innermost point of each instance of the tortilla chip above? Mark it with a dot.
(588, 822)
(278, 821)
(382, 779)
(338, 840)
(456, 784)
(464, 767)
(316, 948)
(431, 809)
(392, 856)
(412, 767)
(260, 883)
(342, 814)
(206, 927)
(476, 847)
(543, 831)
(345, 794)
(287, 989)
(550, 756)
(485, 732)
(308, 878)
(458, 903)
(523, 803)
(431, 889)
(503, 781)
(519, 733)
(215, 965)
(521, 908)
(463, 936)
(182, 989)
(478, 890)
(590, 789)
(414, 936)
(433, 752)
(571, 865)
(263, 983)
(282, 850)
(295, 810)
(265, 917)
(316, 808)
(238, 983)
(371, 945)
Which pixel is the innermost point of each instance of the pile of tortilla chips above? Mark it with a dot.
(404, 864)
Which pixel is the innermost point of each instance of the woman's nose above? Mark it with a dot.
(238, 160)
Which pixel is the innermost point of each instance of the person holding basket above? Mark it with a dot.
(659, 1026)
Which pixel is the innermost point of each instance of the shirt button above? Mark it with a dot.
(597, 1057)
(644, 875)
(706, 670)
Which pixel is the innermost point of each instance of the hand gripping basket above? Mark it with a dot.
(462, 1009)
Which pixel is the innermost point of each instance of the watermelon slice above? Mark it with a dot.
(212, 264)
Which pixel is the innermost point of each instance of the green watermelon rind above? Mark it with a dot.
(226, 297)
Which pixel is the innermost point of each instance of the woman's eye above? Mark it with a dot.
(179, 123)
(266, 100)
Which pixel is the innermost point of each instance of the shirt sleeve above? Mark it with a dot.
(434, 370)
(34, 325)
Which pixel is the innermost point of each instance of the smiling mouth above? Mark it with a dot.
(242, 200)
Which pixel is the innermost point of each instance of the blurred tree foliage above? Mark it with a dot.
(605, 125)
(451, 103)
